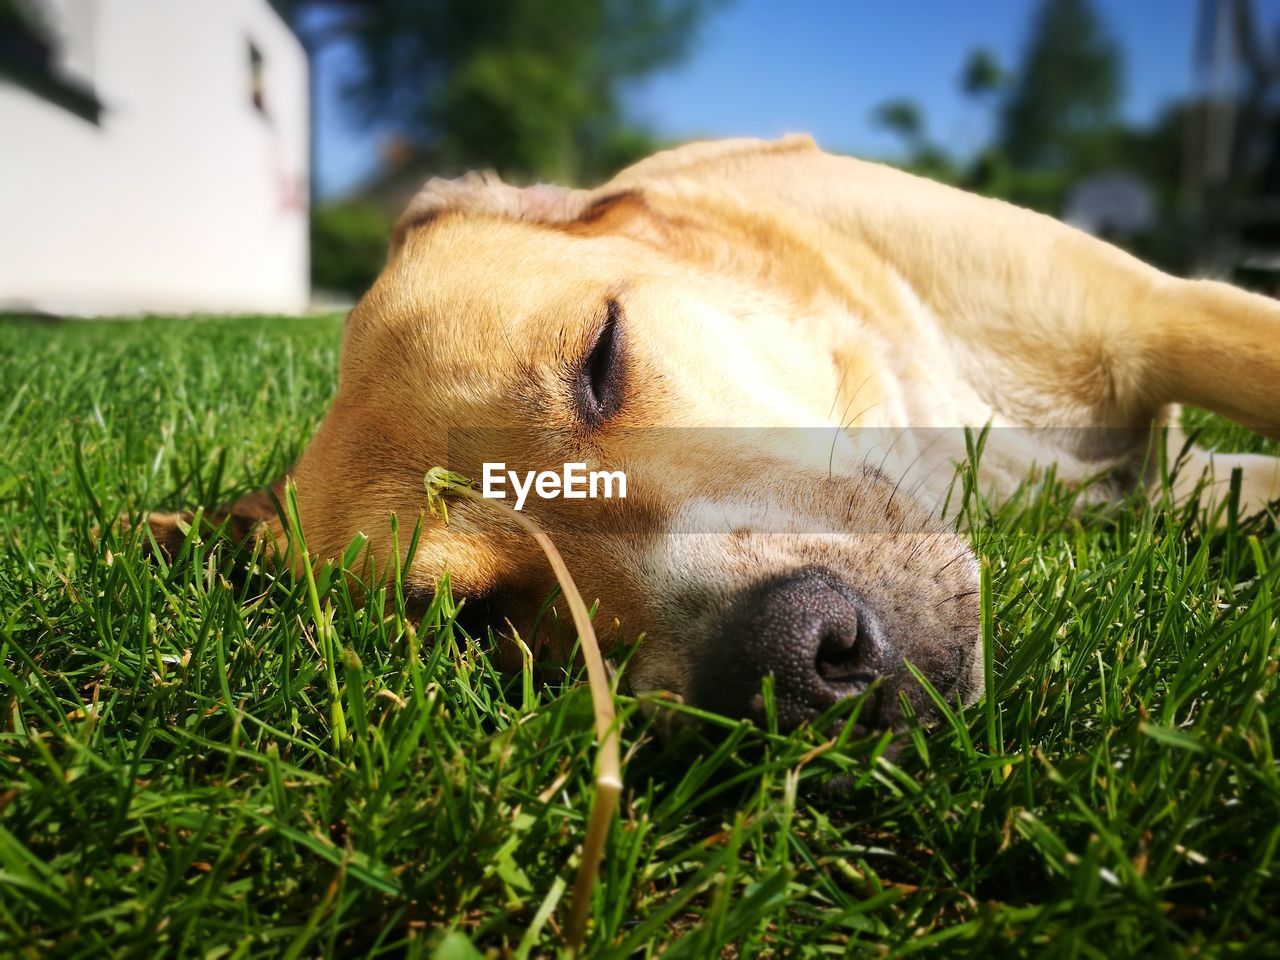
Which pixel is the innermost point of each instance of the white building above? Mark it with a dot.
(153, 157)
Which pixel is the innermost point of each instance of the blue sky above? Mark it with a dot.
(766, 67)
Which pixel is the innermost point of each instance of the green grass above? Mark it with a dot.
(178, 774)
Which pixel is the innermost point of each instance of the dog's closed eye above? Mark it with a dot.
(598, 385)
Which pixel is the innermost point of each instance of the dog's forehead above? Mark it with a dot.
(466, 276)
(469, 303)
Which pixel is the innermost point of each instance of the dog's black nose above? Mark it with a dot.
(808, 630)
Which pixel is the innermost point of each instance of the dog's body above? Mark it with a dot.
(767, 286)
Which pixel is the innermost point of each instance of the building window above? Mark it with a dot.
(257, 86)
(31, 55)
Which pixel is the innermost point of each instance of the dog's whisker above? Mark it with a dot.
(960, 555)
(843, 425)
(958, 596)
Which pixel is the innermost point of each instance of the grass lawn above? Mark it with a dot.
(187, 767)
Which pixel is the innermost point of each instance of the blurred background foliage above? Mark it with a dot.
(527, 87)
(1057, 125)
(1205, 175)
(535, 90)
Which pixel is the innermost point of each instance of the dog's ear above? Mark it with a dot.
(254, 516)
(484, 192)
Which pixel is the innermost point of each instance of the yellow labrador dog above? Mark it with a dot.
(693, 325)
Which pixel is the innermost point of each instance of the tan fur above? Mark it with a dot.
(762, 285)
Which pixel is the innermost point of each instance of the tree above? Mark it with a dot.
(981, 75)
(903, 118)
(1068, 85)
(531, 88)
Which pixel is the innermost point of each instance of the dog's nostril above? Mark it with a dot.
(839, 658)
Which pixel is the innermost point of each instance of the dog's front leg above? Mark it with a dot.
(1219, 348)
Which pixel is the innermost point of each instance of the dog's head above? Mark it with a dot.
(631, 332)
